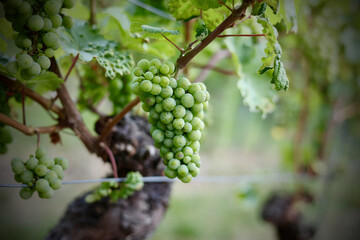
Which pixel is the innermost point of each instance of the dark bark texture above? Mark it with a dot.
(134, 218)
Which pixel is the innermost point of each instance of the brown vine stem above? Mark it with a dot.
(108, 127)
(92, 19)
(73, 116)
(71, 67)
(112, 159)
(237, 14)
(241, 35)
(178, 48)
(47, 104)
(28, 130)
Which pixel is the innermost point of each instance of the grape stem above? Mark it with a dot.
(28, 130)
(47, 104)
(92, 19)
(71, 67)
(112, 158)
(222, 3)
(178, 48)
(241, 35)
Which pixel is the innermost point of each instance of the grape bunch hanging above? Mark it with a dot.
(35, 23)
(176, 112)
(40, 173)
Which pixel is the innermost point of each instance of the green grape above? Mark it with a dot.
(187, 100)
(135, 88)
(63, 162)
(148, 75)
(158, 108)
(52, 7)
(169, 134)
(164, 69)
(153, 70)
(184, 83)
(50, 175)
(186, 179)
(179, 92)
(68, 3)
(200, 96)
(27, 176)
(40, 152)
(158, 135)
(15, 161)
(171, 67)
(41, 170)
(182, 170)
(179, 111)
(164, 82)
(174, 164)
(56, 20)
(138, 72)
(179, 155)
(194, 88)
(50, 39)
(12, 68)
(18, 167)
(42, 185)
(156, 89)
(179, 141)
(187, 159)
(195, 172)
(35, 23)
(199, 115)
(44, 62)
(146, 107)
(156, 63)
(150, 100)
(146, 86)
(164, 150)
(194, 135)
(35, 69)
(19, 39)
(154, 114)
(192, 166)
(49, 52)
(196, 159)
(59, 170)
(48, 194)
(169, 155)
(170, 127)
(187, 127)
(143, 64)
(47, 161)
(178, 123)
(188, 116)
(170, 173)
(188, 151)
(195, 145)
(166, 117)
(157, 79)
(178, 132)
(25, 61)
(161, 126)
(169, 104)
(55, 183)
(68, 22)
(197, 107)
(168, 142)
(166, 92)
(18, 178)
(47, 24)
(27, 43)
(173, 83)
(26, 193)
(197, 123)
(32, 163)
(159, 99)
(25, 74)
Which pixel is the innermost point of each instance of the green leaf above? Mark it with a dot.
(6, 28)
(258, 9)
(3, 45)
(47, 81)
(115, 62)
(151, 29)
(286, 13)
(279, 76)
(120, 16)
(273, 4)
(206, 4)
(182, 9)
(213, 17)
(201, 30)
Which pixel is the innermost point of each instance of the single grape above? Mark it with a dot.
(135, 88)
(188, 151)
(158, 135)
(26, 193)
(195, 146)
(68, 22)
(59, 170)
(55, 183)
(159, 99)
(153, 70)
(18, 178)
(25, 61)
(170, 127)
(42, 185)
(164, 82)
(169, 156)
(179, 92)
(50, 39)
(199, 115)
(143, 64)
(173, 83)
(50, 175)
(169, 104)
(183, 83)
(197, 107)
(63, 162)
(15, 161)
(197, 123)
(41, 170)
(17, 167)
(146, 107)
(179, 141)
(179, 154)
(158, 108)
(138, 72)
(164, 69)
(168, 142)
(27, 43)
(157, 79)
(44, 62)
(47, 161)
(187, 127)
(196, 159)
(195, 172)
(200, 96)
(156, 89)
(169, 133)
(49, 52)
(56, 20)
(156, 63)
(179, 111)
(48, 194)
(187, 159)
(25, 74)
(170, 173)
(187, 100)
(35, 23)
(68, 3)
(192, 166)
(166, 92)
(52, 7)
(194, 135)
(154, 114)
(182, 170)
(186, 179)
(35, 69)
(194, 88)
(178, 132)
(40, 152)
(146, 86)
(174, 164)
(166, 117)
(163, 150)
(150, 100)
(171, 67)
(178, 123)
(27, 176)
(32, 163)
(12, 68)
(19, 39)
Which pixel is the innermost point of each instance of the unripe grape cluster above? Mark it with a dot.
(5, 134)
(120, 91)
(35, 23)
(176, 112)
(40, 173)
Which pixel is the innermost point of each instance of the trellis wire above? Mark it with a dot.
(283, 177)
(153, 10)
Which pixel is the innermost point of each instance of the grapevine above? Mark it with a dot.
(36, 34)
(176, 112)
(40, 173)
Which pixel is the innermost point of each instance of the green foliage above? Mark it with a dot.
(273, 4)
(201, 30)
(182, 9)
(47, 81)
(205, 5)
(151, 29)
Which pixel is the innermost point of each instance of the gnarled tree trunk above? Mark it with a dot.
(132, 218)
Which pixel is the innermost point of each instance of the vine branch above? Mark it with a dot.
(112, 159)
(241, 35)
(178, 48)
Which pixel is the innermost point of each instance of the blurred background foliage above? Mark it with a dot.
(312, 128)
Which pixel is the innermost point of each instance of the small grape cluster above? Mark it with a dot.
(120, 91)
(40, 173)
(5, 135)
(115, 191)
(35, 22)
(176, 112)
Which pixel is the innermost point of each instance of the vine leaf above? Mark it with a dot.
(273, 4)
(6, 29)
(182, 9)
(201, 30)
(207, 4)
(151, 29)
(88, 43)
(279, 76)
(47, 81)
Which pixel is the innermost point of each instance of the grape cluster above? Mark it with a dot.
(5, 135)
(115, 191)
(120, 92)
(176, 112)
(40, 173)
(35, 23)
